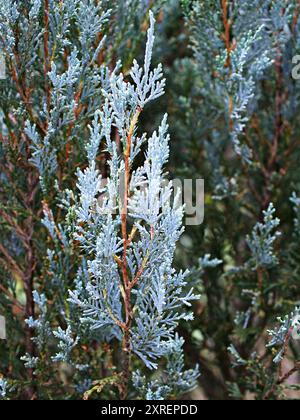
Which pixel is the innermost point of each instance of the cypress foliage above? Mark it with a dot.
(103, 293)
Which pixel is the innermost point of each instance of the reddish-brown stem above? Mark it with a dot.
(12, 299)
(18, 230)
(282, 379)
(260, 276)
(26, 100)
(291, 372)
(126, 282)
(137, 276)
(227, 35)
(227, 23)
(10, 263)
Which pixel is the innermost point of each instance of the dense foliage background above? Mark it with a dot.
(233, 103)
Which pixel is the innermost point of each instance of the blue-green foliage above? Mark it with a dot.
(61, 59)
(258, 30)
(160, 297)
(261, 242)
(68, 109)
(288, 329)
(3, 388)
(174, 379)
(66, 344)
(235, 124)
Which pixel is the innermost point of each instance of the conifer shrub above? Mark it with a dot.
(104, 293)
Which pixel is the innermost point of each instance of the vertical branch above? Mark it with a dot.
(126, 282)
(227, 35)
(227, 23)
(260, 276)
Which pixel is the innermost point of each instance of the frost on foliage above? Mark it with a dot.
(208, 262)
(204, 263)
(159, 295)
(173, 381)
(30, 362)
(42, 329)
(237, 359)
(3, 388)
(181, 380)
(296, 201)
(249, 61)
(90, 21)
(242, 318)
(49, 224)
(289, 329)
(253, 360)
(9, 14)
(153, 390)
(66, 344)
(89, 183)
(149, 83)
(261, 241)
(96, 135)
(62, 102)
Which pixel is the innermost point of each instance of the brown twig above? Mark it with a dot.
(227, 35)
(260, 277)
(18, 230)
(11, 263)
(12, 299)
(126, 281)
(227, 23)
(282, 379)
(139, 273)
(291, 372)
(26, 100)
